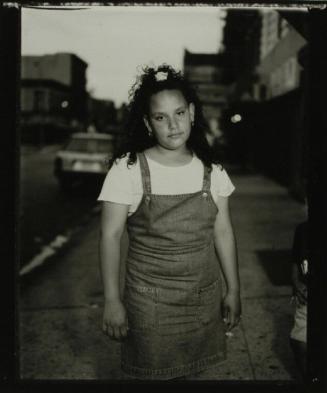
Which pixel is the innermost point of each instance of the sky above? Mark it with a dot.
(116, 41)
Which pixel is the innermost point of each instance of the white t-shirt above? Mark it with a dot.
(124, 184)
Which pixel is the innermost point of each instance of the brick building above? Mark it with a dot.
(53, 93)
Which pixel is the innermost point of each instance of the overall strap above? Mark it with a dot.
(145, 172)
(206, 179)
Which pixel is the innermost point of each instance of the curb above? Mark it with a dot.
(59, 243)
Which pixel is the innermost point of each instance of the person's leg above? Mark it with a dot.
(300, 354)
(298, 338)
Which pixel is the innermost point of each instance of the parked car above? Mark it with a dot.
(83, 157)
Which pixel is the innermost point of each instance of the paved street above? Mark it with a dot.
(43, 202)
(60, 308)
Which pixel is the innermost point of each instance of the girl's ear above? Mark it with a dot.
(191, 108)
(147, 124)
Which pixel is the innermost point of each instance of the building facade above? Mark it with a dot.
(205, 73)
(279, 70)
(267, 93)
(53, 92)
(102, 114)
(241, 41)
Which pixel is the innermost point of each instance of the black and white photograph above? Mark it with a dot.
(164, 203)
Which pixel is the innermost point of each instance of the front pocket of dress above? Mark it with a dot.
(140, 303)
(210, 302)
(177, 312)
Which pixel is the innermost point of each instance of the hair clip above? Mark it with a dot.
(161, 76)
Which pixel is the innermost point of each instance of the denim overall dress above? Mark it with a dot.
(173, 285)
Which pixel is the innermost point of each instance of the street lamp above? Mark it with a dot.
(236, 118)
(64, 104)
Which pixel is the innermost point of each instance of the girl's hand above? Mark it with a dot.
(115, 320)
(231, 309)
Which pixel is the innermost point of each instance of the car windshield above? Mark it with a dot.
(89, 145)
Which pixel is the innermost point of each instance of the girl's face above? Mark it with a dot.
(169, 119)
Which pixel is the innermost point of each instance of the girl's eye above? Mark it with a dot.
(181, 112)
(159, 118)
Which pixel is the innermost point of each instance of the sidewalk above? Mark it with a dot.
(60, 311)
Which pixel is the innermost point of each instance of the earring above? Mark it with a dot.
(150, 133)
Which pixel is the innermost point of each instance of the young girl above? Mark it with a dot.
(173, 195)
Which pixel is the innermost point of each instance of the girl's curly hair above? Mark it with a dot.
(137, 139)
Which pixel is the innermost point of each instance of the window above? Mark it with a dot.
(39, 101)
